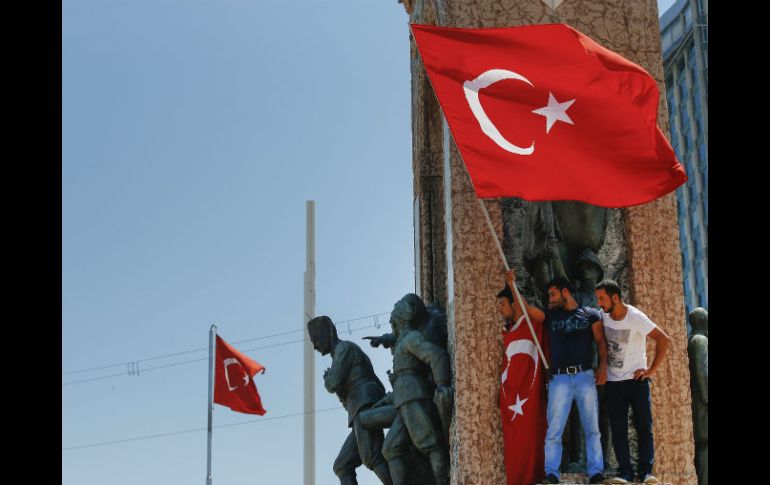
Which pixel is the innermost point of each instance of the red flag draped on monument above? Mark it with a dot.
(543, 112)
(234, 385)
(522, 406)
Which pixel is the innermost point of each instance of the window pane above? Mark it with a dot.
(676, 29)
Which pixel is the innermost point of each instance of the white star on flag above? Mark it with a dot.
(555, 111)
(517, 408)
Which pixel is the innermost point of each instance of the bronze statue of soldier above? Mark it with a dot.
(421, 394)
(352, 378)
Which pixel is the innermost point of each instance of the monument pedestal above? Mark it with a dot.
(578, 479)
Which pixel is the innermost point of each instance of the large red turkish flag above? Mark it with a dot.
(543, 112)
(233, 383)
(522, 406)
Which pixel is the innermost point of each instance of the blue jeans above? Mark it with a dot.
(562, 390)
(620, 395)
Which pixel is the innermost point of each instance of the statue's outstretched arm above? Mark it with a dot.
(387, 340)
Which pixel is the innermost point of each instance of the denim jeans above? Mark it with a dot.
(562, 390)
(620, 395)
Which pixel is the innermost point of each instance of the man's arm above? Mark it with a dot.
(601, 348)
(341, 364)
(661, 346)
(535, 314)
(387, 340)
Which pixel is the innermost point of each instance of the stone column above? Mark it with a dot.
(656, 289)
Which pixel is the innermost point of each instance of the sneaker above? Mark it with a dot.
(597, 478)
(650, 478)
(551, 478)
(617, 479)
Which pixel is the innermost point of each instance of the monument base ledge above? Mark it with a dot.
(578, 479)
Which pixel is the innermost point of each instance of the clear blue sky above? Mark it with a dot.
(193, 132)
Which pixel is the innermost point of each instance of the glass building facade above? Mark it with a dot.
(684, 44)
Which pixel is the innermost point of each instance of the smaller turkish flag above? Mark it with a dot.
(233, 383)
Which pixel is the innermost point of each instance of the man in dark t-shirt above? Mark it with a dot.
(572, 329)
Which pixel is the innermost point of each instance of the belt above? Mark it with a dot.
(572, 369)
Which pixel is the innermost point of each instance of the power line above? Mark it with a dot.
(175, 354)
(135, 370)
(140, 438)
(202, 359)
(80, 371)
(93, 379)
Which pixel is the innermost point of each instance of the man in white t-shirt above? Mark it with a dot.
(626, 330)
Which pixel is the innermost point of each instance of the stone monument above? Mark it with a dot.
(457, 265)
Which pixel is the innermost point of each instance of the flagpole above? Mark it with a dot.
(309, 353)
(212, 340)
(515, 289)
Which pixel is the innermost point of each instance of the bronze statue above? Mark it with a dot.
(352, 378)
(541, 254)
(382, 414)
(698, 352)
(588, 273)
(421, 394)
(581, 226)
(548, 239)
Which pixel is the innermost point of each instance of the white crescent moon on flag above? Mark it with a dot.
(228, 363)
(523, 346)
(472, 89)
